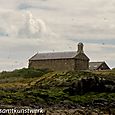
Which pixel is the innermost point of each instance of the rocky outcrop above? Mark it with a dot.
(91, 84)
(80, 111)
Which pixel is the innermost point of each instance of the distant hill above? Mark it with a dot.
(44, 88)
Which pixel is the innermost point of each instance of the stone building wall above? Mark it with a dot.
(55, 65)
(65, 61)
(81, 64)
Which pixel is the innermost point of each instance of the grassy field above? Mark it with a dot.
(30, 87)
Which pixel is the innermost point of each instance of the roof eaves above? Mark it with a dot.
(33, 57)
(52, 59)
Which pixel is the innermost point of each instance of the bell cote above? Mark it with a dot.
(80, 48)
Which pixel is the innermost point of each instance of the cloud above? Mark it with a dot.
(101, 52)
(32, 28)
(24, 25)
(24, 6)
(29, 5)
(55, 25)
(3, 32)
(9, 24)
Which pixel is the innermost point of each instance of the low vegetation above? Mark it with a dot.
(36, 88)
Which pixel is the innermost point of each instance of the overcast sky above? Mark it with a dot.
(30, 26)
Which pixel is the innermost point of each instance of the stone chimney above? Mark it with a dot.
(80, 48)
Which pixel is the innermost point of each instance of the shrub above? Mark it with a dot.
(24, 72)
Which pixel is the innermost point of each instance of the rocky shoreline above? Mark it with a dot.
(80, 111)
(98, 107)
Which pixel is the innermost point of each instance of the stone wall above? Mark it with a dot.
(55, 65)
(81, 64)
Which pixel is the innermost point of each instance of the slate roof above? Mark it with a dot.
(57, 55)
(95, 65)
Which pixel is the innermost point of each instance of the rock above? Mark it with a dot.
(94, 113)
(91, 84)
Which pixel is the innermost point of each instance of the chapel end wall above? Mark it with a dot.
(81, 65)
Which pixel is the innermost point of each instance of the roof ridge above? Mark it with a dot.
(97, 62)
(56, 52)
